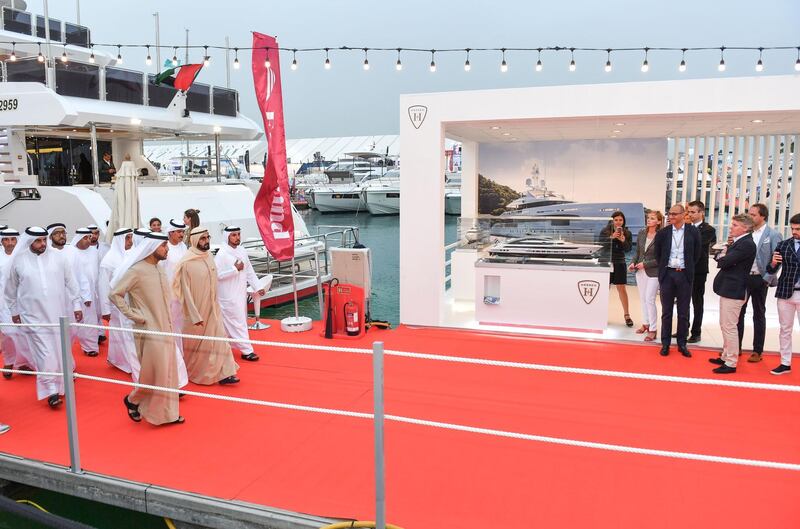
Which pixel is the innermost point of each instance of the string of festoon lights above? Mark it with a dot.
(540, 54)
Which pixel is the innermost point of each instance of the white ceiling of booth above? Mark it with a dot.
(623, 127)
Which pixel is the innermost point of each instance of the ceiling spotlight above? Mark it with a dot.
(756, 121)
(495, 127)
(616, 131)
(620, 124)
(506, 134)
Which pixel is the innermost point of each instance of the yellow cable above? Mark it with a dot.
(29, 502)
(348, 525)
(169, 523)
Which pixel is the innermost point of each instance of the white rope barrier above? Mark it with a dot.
(31, 372)
(29, 325)
(479, 361)
(463, 428)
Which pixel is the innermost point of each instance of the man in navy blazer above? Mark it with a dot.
(734, 263)
(787, 259)
(677, 249)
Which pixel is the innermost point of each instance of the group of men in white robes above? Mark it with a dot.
(42, 278)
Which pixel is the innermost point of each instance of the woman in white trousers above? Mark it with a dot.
(646, 267)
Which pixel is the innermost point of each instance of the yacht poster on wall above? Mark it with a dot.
(570, 180)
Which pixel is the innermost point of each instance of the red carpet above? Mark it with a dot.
(443, 479)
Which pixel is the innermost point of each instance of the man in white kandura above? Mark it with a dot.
(234, 272)
(177, 249)
(16, 352)
(57, 241)
(38, 288)
(98, 242)
(121, 346)
(87, 269)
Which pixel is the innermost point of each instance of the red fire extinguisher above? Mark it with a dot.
(351, 319)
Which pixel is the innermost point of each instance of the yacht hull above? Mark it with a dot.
(383, 201)
(452, 204)
(338, 201)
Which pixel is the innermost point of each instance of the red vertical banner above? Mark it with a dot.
(273, 207)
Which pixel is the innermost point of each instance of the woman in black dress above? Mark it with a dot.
(621, 242)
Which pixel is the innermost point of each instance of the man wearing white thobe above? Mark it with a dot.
(87, 270)
(98, 242)
(57, 241)
(38, 287)
(121, 345)
(234, 272)
(16, 352)
(177, 249)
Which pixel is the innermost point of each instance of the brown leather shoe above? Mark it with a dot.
(755, 357)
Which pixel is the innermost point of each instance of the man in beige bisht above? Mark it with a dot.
(148, 298)
(195, 286)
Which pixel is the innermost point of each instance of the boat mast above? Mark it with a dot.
(49, 75)
(78, 12)
(158, 44)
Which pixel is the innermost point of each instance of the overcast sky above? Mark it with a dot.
(346, 100)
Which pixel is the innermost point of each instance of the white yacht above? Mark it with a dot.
(61, 113)
(382, 195)
(545, 247)
(452, 193)
(346, 180)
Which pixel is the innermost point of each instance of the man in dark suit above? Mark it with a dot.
(734, 263)
(708, 236)
(787, 258)
(677, 249)
(107, 169)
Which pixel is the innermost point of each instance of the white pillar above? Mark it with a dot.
(470, 166)
(422, 259)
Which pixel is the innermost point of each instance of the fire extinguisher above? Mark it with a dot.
(351, 319)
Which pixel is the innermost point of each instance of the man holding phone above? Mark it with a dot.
(787, 258)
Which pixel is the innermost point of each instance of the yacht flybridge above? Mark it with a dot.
(59, 117)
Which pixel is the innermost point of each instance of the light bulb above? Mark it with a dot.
(327, 63)
(682, 66)
(207, 61)
(504, 66)
(645, 66)
(398, 65)
(433, 66)
(366, 64)
(539, 65)
(572, 65)
(608, 66)
(797, 65)
(294, 64)
(119, 59)
(40, 58)
(148, 61)
(721, 66)
(64, 57)
(467, 66)
(236, 63)
(174, 60)
(760, 66)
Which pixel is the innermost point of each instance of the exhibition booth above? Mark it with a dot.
(543, 169)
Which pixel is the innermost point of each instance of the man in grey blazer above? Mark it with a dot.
(766, 240)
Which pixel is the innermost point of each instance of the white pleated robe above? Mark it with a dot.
(232, 294)
(39, 288)
(87, 270)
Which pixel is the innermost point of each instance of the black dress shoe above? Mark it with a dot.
(693, 339)
(724, 370)
(684, 351)
(664, 350)
(718, 361)
(101, 339)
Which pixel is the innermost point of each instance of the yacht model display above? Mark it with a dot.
(63, 115)
(545, 247)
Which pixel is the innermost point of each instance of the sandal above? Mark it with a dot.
(90, 353)
(133, 410)
(229, 380)
(628, 320)
(650, 336)
(53, 401)
(179, 420)
(8, 375)
(250, 357)
(643, 329)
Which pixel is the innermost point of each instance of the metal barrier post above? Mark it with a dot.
(380, 477)
(69, 395)
(319, 283)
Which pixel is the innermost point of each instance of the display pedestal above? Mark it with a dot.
(568, 297)
(462, 273)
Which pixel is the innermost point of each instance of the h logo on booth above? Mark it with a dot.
(588, 290)
(417, 115)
